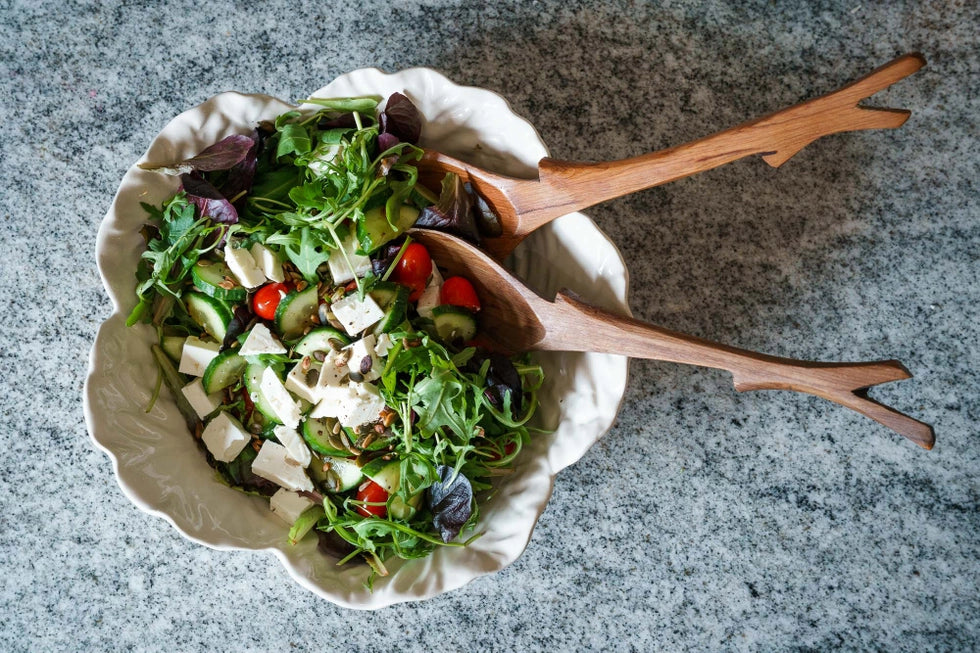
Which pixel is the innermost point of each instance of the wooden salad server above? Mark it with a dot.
(562, 187)
(513, 318)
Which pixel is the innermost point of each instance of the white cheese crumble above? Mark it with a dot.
(224, 437)
(196, 355)
(267, 261)
(273, 464)
(289, 505)
(340, 270)
(296, 449)
(242, 265)
(261, 341)
(202, 403)
(356, 315)
(361, 350)
(282, 403)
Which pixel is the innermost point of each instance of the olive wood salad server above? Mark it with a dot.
(523, 205)
(513, 318)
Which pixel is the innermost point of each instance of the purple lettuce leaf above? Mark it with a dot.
(453, 213)
(223, 155)
(450, 499)
(401, 118)
(386, 140)
(238, 182)
(208, 200)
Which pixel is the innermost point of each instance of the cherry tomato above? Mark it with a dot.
(458, 291)
(413, 269)
(371, 492)
(266, 299)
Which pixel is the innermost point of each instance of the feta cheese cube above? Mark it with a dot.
(224, 437)
(261, 341)
(202, 403)
(332, 373)
(340, 270)
(356, 315)
(384, 345)
(297, 382)
(429, 300)
(296, 449)
(242, 265)
(333, 398)
(273, 464)
(267, 261)
(282, 403)
(196, 355)
(364, 405)
(289, 505)
(363, 359)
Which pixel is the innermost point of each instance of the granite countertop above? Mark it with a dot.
(705, 519)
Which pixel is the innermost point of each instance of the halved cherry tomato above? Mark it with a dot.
(371, 492)
(413, 269)
(458, 291)
(266, 299)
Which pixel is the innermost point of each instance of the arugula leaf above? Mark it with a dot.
(307, 252)
(293, 139)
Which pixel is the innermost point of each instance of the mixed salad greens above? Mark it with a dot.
(317, 354)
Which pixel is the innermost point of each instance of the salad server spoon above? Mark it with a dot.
(513, 318)
(523, 205)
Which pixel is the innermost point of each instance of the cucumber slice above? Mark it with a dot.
(393, 299)
(253, 383)
(224, 370)
(342, 474)
(209, 313)
(374, 231)
(453, 323)
(385, 473)
(319, 340)
(404, 510)
(384, 292)
(296, 312)
(317, 434)
(209, 276)
(346, 472)
(173, 346)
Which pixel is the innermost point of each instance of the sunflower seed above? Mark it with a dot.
(366, 364)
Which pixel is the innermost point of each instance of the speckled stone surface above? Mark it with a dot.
(704, 520)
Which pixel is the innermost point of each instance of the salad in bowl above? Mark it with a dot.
(345, 412)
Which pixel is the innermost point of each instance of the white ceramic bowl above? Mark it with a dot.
(163, 473)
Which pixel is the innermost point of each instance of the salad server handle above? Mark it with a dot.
(567, 186)
(572, 325)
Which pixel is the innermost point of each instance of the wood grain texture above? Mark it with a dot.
(513, 318)
(562, 187)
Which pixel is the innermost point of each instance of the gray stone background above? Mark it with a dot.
(704, 520)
